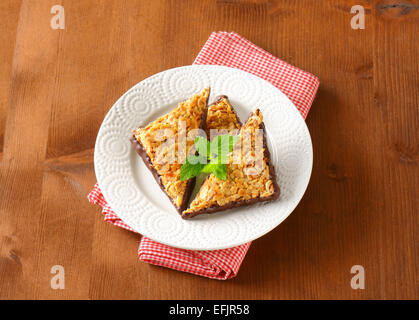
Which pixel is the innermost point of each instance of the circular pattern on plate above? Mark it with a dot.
(138, 103)
(221, 232)
(112, 146)
(242, 90)
(125, 194)
(288, 138)
(166, 227)
(181, 85)
(271, 106)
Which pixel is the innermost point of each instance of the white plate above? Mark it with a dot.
(132, 192)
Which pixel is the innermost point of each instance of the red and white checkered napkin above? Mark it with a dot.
(231, 50)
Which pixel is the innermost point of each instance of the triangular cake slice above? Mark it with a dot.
(162, 153)
(247, 182)
(222, 117)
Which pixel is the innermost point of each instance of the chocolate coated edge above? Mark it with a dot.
(248, 202)
(139, 148)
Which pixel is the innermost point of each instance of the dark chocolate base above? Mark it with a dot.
(139, 148)
(241, 203)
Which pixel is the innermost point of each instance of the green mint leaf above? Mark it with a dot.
(220, 171)
(202, 145)
(194, 159)
(192, 167)
(217, 152)
(221, 146)
(209, 168)
(213, 154)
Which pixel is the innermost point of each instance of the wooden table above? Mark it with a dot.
(361, 207)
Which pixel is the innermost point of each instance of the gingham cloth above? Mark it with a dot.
(231, 50)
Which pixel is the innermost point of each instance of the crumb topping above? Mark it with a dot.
(243, 180)
(221, 116)
(160, 139)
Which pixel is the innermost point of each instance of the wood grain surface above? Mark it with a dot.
(361, 206)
